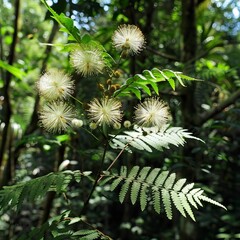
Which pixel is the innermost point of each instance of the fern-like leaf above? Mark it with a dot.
(167, 203)
(135, 191)
(124, 190)
(150, 79)
(156, 200)
(209, 200)
(87, 234)
(153, 185)
(186, 205)
(151, 138)
(177, 202)
(143, 196)
(11, 196)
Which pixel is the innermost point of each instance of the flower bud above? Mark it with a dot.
(117, 126)
(77, 122)
(93, 125)
(127, 124)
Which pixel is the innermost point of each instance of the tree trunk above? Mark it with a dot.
(187, 229)
(7, 109)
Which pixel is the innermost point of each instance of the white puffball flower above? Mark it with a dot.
(105, 111)
(152, 112)
(55, 84)
(56, 116)
(87, 61)
(128, 39)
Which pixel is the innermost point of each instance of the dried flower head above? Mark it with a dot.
(152, 112)
(128, 39)
(87, 60)
(55, 84)
(106, 111)
(56, 116)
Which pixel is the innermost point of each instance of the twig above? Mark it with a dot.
(219, 108)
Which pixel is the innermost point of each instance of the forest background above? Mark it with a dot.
(198, 37)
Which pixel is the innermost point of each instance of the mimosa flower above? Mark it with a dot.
(55, 84)
(87, 61)
(152, 112)
(105, 111)
(56, 116)
(128, 39)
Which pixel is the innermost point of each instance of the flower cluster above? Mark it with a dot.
(106, 111)
(55, 86)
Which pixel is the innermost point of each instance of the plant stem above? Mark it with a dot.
(76, 100)
(83, 211)
(113, 162)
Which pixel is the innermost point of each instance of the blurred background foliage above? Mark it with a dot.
(198, 37)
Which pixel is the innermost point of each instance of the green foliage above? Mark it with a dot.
(66, 22)
(13, 196)
(60, 228)
(151, 78)
(13, 70)
(148, 186)
(151, 138)
(160, 188)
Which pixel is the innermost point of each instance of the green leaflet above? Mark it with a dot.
(156, 201)
(154, 185)
(148, 81)
(167, 202)
(135, 191)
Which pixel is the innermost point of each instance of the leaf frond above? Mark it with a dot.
(159, 187)
(147, 139)
(149, 80)
(12, 196)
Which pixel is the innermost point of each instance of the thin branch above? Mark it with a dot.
(7, 104)
(162, 54)
(218, 109)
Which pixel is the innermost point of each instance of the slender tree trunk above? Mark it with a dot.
(7, 109)
(189, 36)
(187, 229)
(32, 126)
